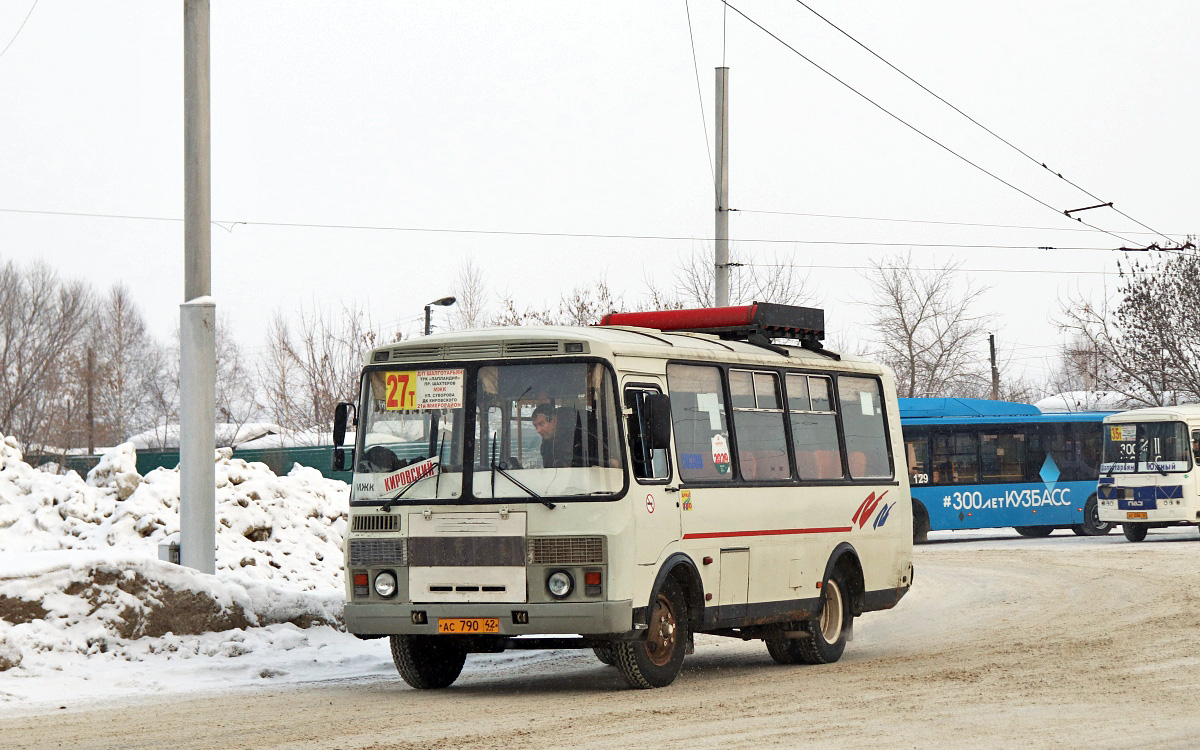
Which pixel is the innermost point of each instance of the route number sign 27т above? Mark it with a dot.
(424, 389)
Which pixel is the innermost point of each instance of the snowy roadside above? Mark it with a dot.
(87, 611)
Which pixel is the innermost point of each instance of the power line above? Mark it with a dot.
(19, 28)
(579, 235)
(700, 94)
(907, 268)
(914, 128)
(989, 131)
(930, 221)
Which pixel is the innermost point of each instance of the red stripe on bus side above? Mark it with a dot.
(766, 532)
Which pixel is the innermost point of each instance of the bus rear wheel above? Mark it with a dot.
(1034, 532)
(428, 662)
(605, 654)
(828, 631)
(1134, 532)
(657, 660)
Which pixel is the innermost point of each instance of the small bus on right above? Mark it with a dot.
(1147, 475)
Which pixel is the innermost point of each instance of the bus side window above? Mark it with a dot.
(814, 427)
(648, 463)
(701, 430)
(758, 419)
(862, 423)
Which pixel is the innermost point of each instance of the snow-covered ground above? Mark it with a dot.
(88, 611)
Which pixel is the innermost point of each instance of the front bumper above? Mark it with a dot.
(559, 618)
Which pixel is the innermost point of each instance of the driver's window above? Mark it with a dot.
(649, 464)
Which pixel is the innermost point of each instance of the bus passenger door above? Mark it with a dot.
(655, 510)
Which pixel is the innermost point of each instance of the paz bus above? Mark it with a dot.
(978, 464)
(622, 487)
(1147, 478)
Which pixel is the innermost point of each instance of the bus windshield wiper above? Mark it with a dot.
(498, 469)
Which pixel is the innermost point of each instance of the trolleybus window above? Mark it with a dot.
(862, 423)
(546, 430)
(698, 413)
(916, 447)
(1003, 456)
(758, 424)
(814, 427)
(955, 458)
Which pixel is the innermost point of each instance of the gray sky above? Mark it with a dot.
(584, 118)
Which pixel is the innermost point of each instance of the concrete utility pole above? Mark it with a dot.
(995, 370)
(721, 276)
(197, 314)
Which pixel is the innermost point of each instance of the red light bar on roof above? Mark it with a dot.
(760, 318)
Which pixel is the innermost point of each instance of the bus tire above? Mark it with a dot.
(1135, 532)
(605, 654)
(920, 523)
(831, 628)
(656, 660)
(1092, 525)
(428, 662)
(1034, 532)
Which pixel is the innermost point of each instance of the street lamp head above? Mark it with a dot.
(444, 301)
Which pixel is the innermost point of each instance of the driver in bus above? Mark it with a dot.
(562, 446)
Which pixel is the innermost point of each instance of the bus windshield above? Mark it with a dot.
(1146, 447)
(546, 430)
(411, 435)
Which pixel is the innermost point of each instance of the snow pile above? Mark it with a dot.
(80, 578)
(287, 530)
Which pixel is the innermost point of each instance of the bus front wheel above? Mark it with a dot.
(920, 523)
(656, 660)
(1134, 532)
(428, 662)
(829, 631)
(1034, 532)
(1092, 525)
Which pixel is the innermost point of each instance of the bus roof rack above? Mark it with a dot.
(756, 323)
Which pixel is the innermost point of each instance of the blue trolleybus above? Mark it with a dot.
(978, 464)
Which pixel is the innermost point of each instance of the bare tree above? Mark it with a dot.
(470, 291)
(776, 279)
(126, 360)
(42, 321)
(926, 329)
(307, 369)
(1147, 348)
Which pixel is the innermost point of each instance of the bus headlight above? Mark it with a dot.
(385, 584)
(559, 584)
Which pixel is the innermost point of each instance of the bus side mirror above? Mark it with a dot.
(341, 416)
(658, 420)
(340, 456)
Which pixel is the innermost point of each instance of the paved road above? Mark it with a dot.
(1064, 642)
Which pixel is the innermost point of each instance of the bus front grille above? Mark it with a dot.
(369, 552)
(566, 550)
(376, 523)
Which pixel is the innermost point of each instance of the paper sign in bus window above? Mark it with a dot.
(423, 389)
(720, 453)
(1122, 433)
(708, 402)
(867, 403)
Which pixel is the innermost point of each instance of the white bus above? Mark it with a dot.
(1147, 474)
(620, 488)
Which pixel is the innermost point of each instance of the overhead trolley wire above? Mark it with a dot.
(19, 28)
(700, 94)
(988, 130)
(229, 225)
(929, 221)
(915, 129)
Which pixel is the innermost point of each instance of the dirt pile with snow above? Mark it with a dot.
(80, 574)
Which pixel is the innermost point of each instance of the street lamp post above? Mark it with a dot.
(443, 302)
